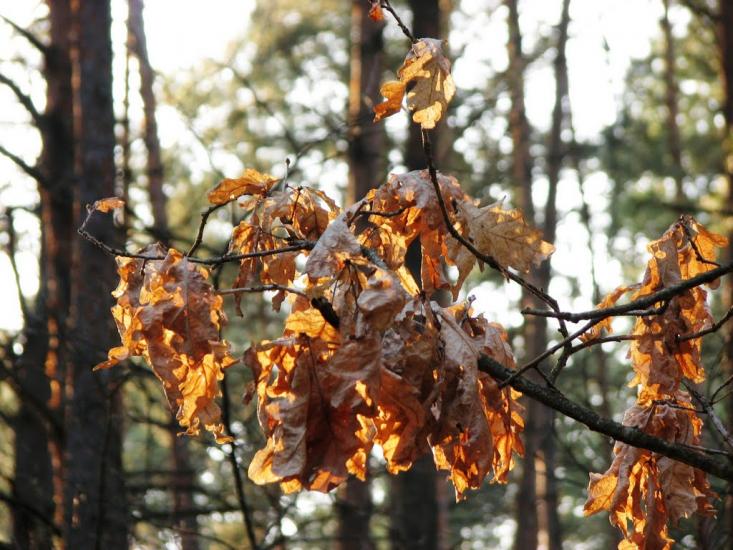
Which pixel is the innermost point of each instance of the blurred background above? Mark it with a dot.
(604, 121)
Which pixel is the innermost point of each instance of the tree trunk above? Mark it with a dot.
(417, 513)
(154, 167)
(538, 522)
(526, 537)
(725, 45)
(38, 440)
(95, 504)
(670, 80)
(365, 157)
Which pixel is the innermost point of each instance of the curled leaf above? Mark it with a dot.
(169, 314)
(427, 69)
(251, 182)
(108, 204)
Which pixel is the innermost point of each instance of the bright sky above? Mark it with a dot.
(183, 33)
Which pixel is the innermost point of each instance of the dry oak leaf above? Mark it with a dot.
(375, 11)
(505, 236)
(312, 412)
(428, 70)
(408, 388)
(251, 182)
(479, 425)
(609, 300)
(169, 314)
(108, 204)
(333, 248)
(648, 490)
(248, 238)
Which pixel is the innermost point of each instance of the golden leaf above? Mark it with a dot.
(169, 314)
(505, 236)
(251, 183)
(108, 204)
(428, 70)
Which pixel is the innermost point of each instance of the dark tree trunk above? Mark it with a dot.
(154, 168)
(417, 512)
(95, 502)
(527, 517)
(556, 150)
(537, 500)
(38, 434)
(365, 156)
(671, 93)
(725, 45)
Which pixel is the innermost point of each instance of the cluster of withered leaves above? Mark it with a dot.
(389, 367)
(642, 490)
(365, 357)
(168, 313)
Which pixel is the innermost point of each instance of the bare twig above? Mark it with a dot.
(239, 483)
(712, 415)
(262, 288)
(387, 6)
(641, 304)
(24, 100)
(200, 234)
(722, 468)
(32, 171)
(29, 36)
(295, 246)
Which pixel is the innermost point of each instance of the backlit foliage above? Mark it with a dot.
(642, 490)
(367, 358)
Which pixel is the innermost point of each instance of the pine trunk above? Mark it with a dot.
(95, 503)
(725, 44)
(38, 434)
(417, 514)
(365, 153)
(154, 167)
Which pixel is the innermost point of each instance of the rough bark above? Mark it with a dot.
(671, 101)
(527, 515)
(365, 157)
(95, 505)
(38, 440)
(416, 518)
(154, 166)
(725, 47)
(537, 500)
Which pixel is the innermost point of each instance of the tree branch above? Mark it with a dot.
(24, 100)
(641, 304)
(552, 398)
(32, 171)
(29, 36)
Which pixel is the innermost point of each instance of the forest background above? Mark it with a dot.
(603, 122)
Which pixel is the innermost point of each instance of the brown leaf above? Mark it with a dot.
(375, 11)
(108, 204)
(428, 70)
(251, 183)
(504, 235)
(331, 251)
(311, 412)
(169, 314)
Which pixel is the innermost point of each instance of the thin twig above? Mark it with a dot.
(202, 225)
(626, 434)
(239, 483)
(296, 245)
(262, 288)
(714, 328)
(641, 304)
(387, 6)
(712, 415)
